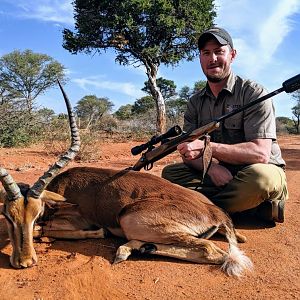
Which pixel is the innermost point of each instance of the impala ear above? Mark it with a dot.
(48, 196)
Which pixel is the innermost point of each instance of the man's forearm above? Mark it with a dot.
(257, 151)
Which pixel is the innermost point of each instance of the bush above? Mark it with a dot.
(14, 127)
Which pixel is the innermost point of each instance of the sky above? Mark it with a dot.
(266, 35)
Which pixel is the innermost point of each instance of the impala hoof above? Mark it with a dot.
(28, 263)
(148, 248)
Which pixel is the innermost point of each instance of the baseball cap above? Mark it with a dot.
(220, 34)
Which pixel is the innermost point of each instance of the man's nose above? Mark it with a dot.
(213, 57)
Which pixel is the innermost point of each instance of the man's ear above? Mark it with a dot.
(233, 54)
(48, 196)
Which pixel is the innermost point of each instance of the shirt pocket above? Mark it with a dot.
(233, 123)
(233, 131)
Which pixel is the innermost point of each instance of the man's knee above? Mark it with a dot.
(266, 178)
(181, 174)
(167, 172)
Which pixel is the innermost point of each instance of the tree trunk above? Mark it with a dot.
(296, 123)
(90, 120)
(158, 97)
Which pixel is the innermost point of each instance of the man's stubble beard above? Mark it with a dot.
(217, 78)
(214, 79)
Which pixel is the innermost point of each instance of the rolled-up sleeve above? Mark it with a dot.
(259, 120)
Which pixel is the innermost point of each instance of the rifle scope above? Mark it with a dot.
(172, 132)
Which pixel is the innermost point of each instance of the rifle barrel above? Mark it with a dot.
(263, 98)
(289, 86)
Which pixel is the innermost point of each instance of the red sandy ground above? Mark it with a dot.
(83, 270)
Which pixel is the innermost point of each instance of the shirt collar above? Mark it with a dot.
(229, 86)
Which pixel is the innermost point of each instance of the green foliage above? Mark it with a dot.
(124, 112)
(162, 31)
(25, 75)
(143, 105)
(199, 85)
(285, 120)
(18, 127)
(185, 93)
(45, 115)
(296, 111)
(142, 32)
(167, 87)
(90, 109)
(284, 125)
(14, 137)
(107, 124)
(176, 107)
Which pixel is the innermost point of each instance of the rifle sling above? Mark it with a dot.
(207, 156)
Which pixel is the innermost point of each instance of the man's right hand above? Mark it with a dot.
(191, 150)
(219, 174)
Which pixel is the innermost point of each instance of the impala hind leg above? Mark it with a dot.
(198, 251)
(192, 249)
(176, 230)
(201, 251)
(223, 231)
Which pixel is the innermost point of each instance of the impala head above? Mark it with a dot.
(24, 204)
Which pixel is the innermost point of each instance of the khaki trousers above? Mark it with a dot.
(250, 186)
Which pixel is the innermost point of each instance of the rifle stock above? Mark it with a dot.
(165, 149)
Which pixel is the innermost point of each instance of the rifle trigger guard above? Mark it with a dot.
(148, 167)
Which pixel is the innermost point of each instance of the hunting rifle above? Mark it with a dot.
(168, 145)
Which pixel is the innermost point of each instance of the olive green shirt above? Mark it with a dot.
(256, 122)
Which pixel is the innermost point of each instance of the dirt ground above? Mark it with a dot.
(83, 270)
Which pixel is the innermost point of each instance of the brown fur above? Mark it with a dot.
(143, 208)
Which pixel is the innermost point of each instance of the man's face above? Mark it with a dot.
(215, 60)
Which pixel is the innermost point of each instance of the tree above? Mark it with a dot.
(284, 125)
(199, 85)
(142, 32)
(25, 75)
(296, 111)
(124, 112)
(166, 87)
(90, 109)
(19, 127)
(185, 93)
(176, 109)
(45, 115)
(143, 105)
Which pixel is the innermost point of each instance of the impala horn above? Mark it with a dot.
(38, 187)
(12, 190)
